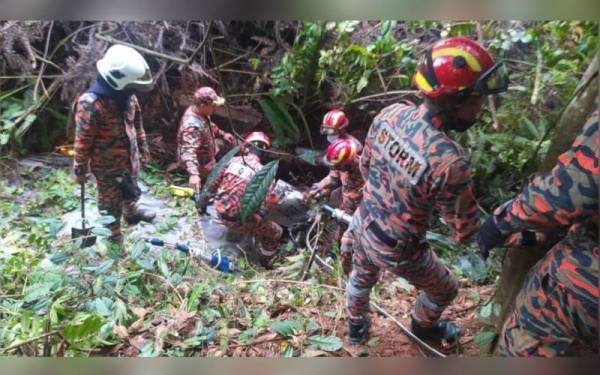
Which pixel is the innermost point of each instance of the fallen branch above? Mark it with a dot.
(303, 118)
(29, 341)
(107, 38)
(394, 92)
(242, 282)
(538, 74)
(491, 103)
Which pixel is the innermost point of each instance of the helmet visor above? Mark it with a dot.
(493, 81)
(328, 130)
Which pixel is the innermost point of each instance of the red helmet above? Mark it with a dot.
(258, 137)
(341, 152)
(334, 121)
(459, 65)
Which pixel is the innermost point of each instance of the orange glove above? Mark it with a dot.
(271, 201)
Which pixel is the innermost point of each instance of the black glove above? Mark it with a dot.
(201, 202)
(488, 237)
(129, 188)
(528, 238)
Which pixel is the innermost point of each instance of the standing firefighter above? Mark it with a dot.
(230, 186)
(557, 309)
(342, 159)
(110, 137)
(411, 167)
(198, 139)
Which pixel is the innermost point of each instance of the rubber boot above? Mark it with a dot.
(357, 333)
(265, 257)
(140, 214)
(442, 331)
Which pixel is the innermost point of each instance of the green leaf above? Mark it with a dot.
(84, 326)
(327, 343)
(280, 119)
(484, 339)
(100, 306)
(138, 249)
(486, 311)
(363, 82)
(286, 328)
(257, 189)
(101, 231)
(105, 220)
(60, 257)
(25, 125)
(248, 334)
(217, 168)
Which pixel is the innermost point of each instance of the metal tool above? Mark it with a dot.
(88, 239)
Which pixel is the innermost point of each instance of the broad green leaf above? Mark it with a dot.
(257, 189)
(484, 339)
(327, 343)
(105, 219)
(25, 125)
(486, 311)
(363, 81)
(286, 327)
(84, 326)
(138, 249)
(101, 231)
(60, 257)
(217, 168)
(280, 119)
(247, 335)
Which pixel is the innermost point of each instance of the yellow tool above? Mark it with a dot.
(179, 191)
(66, 150)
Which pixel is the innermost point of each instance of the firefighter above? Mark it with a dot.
(342, 159)
(556, 311)
(411, 167)
(109, 137)
(199, 139)
(229, 188)
(335, 126)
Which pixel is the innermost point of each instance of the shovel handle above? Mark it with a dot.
(82, 204)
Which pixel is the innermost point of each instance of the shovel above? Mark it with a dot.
(88, 240)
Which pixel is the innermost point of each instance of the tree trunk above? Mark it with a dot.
(518, 262)
(571, 122)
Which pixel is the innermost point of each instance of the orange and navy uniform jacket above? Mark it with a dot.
(196, 143)
(112, 141)
(350, 179)
(410, 168)
(566, 198)
(230, 185)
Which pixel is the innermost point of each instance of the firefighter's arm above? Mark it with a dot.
(86, 117)
(544, 204)
(188, 146)
(206, 160)
(329, 183)
(227, 137)
(365, 157)
(456, 200)
(141, 133)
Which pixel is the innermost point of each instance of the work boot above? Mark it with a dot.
(140, 214)
(441, 330)
(358, 332)
(265, 256)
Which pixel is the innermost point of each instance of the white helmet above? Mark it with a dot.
(122, 65)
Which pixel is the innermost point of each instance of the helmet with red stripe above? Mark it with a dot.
(334, 121)
(459, 66)
(259, 139)
(341, 152)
